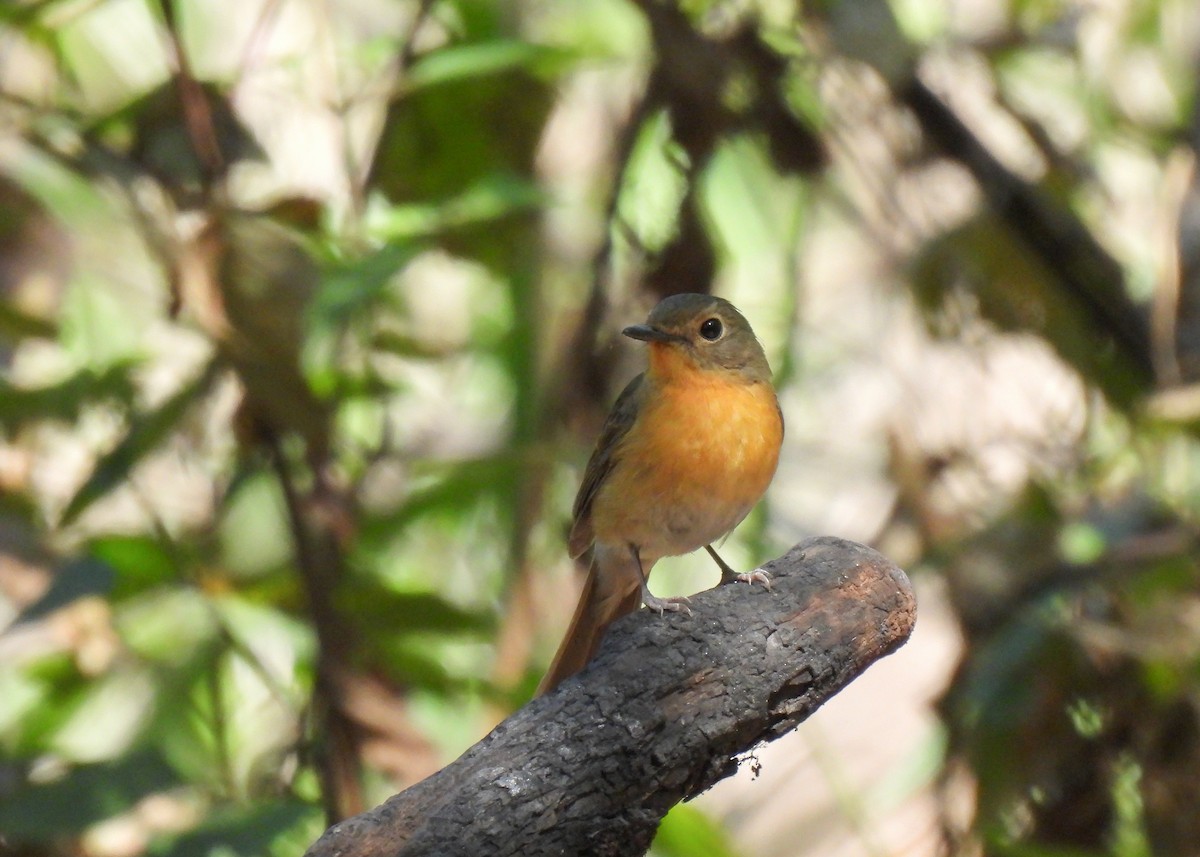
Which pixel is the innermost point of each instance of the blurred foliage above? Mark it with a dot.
(305, 315)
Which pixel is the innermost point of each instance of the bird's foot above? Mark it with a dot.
(660, 606)
(758, 576)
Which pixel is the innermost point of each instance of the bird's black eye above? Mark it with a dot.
(711, 329)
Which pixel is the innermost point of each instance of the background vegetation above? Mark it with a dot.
(307, 317)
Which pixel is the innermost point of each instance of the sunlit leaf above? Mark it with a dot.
(253, 532)
(57, 684)
(167, 626)
(22, 696)
(111, 716)
(111, 52)
(653, 187)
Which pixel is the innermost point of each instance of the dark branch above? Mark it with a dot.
(1086, 271)
(1184, 313)
(665, 710)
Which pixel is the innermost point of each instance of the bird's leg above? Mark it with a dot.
(652, 601)
(728, 575)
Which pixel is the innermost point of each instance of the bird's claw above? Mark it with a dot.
(758, 576)
(678, 604)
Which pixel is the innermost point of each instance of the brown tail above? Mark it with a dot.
(607, 596)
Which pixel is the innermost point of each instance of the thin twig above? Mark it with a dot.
(408, 43)
(197, 112)
(339, 766)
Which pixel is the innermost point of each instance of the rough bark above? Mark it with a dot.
(668, 707)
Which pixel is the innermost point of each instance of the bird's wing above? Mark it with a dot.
(620, 418)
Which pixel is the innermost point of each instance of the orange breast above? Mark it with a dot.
(701, 454)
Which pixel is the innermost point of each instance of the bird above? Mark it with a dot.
(688, 449)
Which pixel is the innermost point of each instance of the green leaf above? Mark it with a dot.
(144, 436)
(494, 197)
(169, 626)
(484, 59)
(110, 717)
(1081, 543)
(25, 15)
(373, 606)
(351, 286)
(688, 832)
(252, 831)
(653, 186)
(140, 563)
(413, 667)
(50, 688)
(85, 795)
(254, 534)
(461, 485)
(1001, 845)
(484, 118)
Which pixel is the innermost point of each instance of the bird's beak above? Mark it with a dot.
(646, 333)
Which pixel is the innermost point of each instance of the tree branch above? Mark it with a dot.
(1062, 242)
(664, 711)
